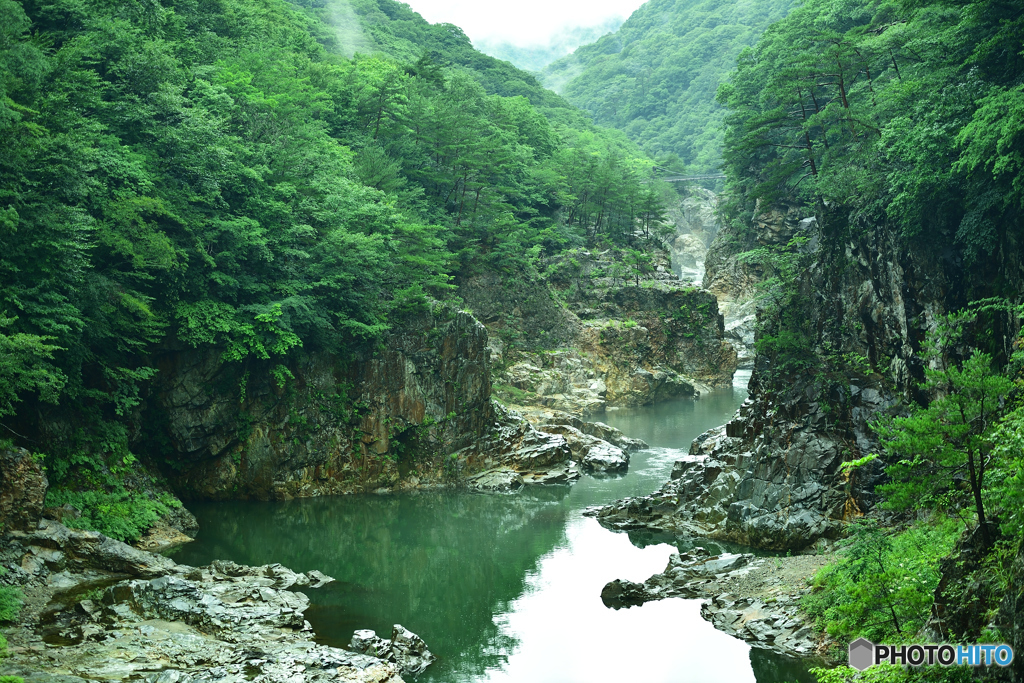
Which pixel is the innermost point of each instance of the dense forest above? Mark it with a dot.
(228, 174)
(656, 77)
(901, 123)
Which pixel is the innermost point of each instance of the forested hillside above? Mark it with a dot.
(223, 175)
(900, 127)
(536, 57)
(657, 76)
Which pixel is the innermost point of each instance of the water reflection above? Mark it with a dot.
(504, 587)
(442, 564)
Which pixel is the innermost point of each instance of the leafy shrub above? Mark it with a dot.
(120, 514)
(10, 602)
(889, 673)
(882, 586)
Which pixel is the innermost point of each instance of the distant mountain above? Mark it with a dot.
(656, 77)
(536, 57)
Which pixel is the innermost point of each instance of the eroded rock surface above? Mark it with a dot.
(405, 648)
(742, 598)
(170, 623)
(22, 489)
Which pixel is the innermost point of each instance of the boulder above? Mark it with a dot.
(405, 648)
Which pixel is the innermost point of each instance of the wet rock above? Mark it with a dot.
(776, 625)
(60, 547)
(618, 594)
(594, 454)
(500, 480)
(606, 458)
(405, 648)
(224, 622)
(22, 489)
(161, 537)
(762, 494)
(428, 389)
(549, 421)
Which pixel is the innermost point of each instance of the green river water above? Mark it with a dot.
(504, 587)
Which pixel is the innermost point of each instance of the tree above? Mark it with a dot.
(640, 263)
(950, 441)
(25, 367)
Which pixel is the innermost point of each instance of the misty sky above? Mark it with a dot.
(521, 22)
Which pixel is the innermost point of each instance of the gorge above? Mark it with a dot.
(332, 348)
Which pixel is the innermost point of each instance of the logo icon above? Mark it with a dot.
(862, 654)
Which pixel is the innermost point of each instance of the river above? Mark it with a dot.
(506, 587)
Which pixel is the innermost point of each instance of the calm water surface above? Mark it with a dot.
(504, 587)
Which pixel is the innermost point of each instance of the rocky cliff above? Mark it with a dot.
(630, 344)
(695, 225)
(389, 417)
(843, 350)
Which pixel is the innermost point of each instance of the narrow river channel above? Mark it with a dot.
(504, 587)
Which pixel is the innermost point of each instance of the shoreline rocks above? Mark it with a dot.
(98, 609)
(752, 598)
(406, 649)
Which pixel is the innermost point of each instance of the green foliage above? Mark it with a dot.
(120, 514)
(260, 178)
(25, 366)
(882, 585)
(891, 673)
(903, 112)
(655, 78)
(953, 440)
(10, 605)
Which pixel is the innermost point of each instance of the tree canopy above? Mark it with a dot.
(656, 77)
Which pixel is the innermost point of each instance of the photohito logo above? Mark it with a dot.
(864, 654)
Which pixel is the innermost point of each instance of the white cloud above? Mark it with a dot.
(521, 22)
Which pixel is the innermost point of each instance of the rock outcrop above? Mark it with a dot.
(333, 427)
(696, 224)
(771, 621)
(636, 345)
(864, 302)
(22, 489)
(170, 623)
(405, 649)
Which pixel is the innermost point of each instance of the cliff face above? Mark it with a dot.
(392, 413)
(634, 346)
(866, 298)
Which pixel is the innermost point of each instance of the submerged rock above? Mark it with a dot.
(405, 648)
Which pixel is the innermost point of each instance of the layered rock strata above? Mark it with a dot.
(635, 346)
(864, 303)
(101, 610)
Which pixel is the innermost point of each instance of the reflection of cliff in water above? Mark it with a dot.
(768, 666)
(440, 563)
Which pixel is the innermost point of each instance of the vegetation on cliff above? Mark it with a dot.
(228, 175)
(899, 125)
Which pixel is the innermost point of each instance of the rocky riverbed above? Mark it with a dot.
(97, 609)
(752, 598)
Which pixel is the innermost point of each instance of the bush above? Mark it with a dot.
(882, 586)
(888, 673)
(119, 514)
(10, 602)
